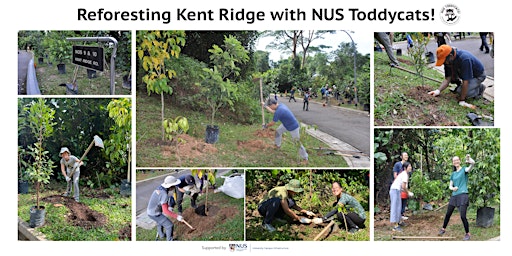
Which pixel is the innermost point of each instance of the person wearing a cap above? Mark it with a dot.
(67, 163)
(186, 187)
(288, 123)
(460, 64)
(279, 201)
(159, 209)
(347, 210)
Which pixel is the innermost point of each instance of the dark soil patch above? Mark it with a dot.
(190, 147)
(126, 233)
(203, 224)
(80, 214)
(404, 61)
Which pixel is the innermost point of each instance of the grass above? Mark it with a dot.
(401, 98)
(57, 227)
(231, 229)
(49, 79)
(227, 153)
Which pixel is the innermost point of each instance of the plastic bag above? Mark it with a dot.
(234, 186)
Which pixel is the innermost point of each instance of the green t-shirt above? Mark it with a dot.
(352, 205)
(460, 180)
(280, 192)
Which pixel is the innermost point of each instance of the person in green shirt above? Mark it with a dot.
(279, 201)
(347, 209)
(459, 197)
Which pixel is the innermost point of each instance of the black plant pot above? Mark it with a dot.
(485, 217)
(91, 73)
(212, 134)
(62, 68)
(37, 216)
(40, 60)
(22, 187)
(126, 188)
(127, 82)
(366, 107)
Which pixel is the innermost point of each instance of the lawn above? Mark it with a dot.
(401, 98)
(49, 81)
(101, 215)
(238, 146)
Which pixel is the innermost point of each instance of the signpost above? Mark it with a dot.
(88, 56)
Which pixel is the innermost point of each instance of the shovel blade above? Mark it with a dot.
(98, 142)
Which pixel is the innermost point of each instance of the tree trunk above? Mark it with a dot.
(162, 100)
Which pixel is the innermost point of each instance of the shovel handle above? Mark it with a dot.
(186, 223)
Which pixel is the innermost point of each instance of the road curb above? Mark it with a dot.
(29, 233)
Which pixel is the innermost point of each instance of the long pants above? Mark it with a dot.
(73, 184)
(270, 209)
(484, 43)
(475, 87)
(162, 222)
(179, 200)
(353, 220)
(305, 106)
(383, 39)
(462, 209)
(396, 206)
(295, 137)
(404, 204)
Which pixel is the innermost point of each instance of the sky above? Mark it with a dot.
(363, 41)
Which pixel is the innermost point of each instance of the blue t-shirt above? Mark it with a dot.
(286, 117)
(397, 168)
(460, 180)
(466, 66)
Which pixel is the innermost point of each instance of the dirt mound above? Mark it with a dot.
(265, 133)
(253, 145)
(427, 112)
(80, 214)
(203, 224)
(189, 146)
(126, 233)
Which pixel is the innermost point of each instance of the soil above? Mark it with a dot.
(203, 224)
(126, 233)
(190, 147)
(80, 214)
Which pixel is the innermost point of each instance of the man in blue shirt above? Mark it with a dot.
(460, 64)
(288, 123)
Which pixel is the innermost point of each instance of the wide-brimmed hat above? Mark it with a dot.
(294, 185)
(170, 181)
(64, 149)
(442, 52)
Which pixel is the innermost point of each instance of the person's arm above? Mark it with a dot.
(169, 214)
(268, 108)
(443, 86)
(451, 187)
(330, 214)
(63, 170)
(299, 209)
(288, 211)
(270, 123)
(471, 163)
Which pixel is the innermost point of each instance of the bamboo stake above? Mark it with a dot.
(324, 230)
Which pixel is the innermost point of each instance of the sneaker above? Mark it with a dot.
(397, 229)
(441, 232)
(65, 194)
(403, 224)
(467, 237)
(77, 200)
(405, 218)
(268, 227)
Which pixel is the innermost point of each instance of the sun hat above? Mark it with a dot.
(294, 185)
(64, 149)
(442, 52)
(170, 181)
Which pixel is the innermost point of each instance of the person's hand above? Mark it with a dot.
(68, 179)
(469, 160)
(318, 220)
(411, 194)
(335, 204)
(265, 126)
(263, 103)
(170, 208)
(310, 214)
(455, 188)
(187, 192)
(305, 220)
(179, 218)
(467, 105)
(434, 93)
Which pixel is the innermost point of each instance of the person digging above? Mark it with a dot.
(347, 210)
(159, 209)
(67, 163)
(288, 123)
(186, 187)
(279, 202)
(461, 65)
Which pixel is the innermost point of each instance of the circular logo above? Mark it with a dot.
(450, 14)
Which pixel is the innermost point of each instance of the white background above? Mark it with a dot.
(55, 15)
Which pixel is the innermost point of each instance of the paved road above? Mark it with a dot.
(349, 126)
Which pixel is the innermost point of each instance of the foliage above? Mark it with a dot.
(118, 146)
(40, 120)
(59, 49)
(217, 88)
(33, 40)
(418, 52)
(174, 127)
(425, 189)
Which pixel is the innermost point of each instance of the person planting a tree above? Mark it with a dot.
(347, 209)
(279, 201)
(67, 163)
(460, 195)
(186, 187)
(159, 209)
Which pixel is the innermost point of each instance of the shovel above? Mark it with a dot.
(95, 142)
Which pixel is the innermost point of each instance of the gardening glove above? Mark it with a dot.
(68, 179)
(310, 214)
(435, 93)
(179, 218)
(305, 220)
(467, 105)
(411, 194)
(171, 209)
(318, 220)
(469, 160)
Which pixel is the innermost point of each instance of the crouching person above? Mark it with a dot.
(355, 215)
(159, 209)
